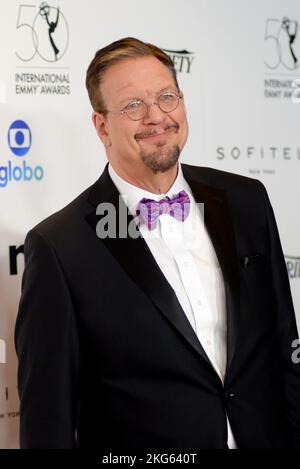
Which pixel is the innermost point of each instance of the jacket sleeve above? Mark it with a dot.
(47, 346)
(287, 327)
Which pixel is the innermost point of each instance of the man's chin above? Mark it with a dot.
(162, 160)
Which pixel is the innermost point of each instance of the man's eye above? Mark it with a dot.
(167, 97)
(133, 105)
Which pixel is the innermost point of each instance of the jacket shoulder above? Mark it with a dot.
(222, 179)
(67, 221)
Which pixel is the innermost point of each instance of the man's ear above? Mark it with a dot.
(100, 124)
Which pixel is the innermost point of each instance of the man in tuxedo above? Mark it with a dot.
(178, 333)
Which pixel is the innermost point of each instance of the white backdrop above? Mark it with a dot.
(236, 61)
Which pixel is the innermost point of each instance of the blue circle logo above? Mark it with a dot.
(19, 138)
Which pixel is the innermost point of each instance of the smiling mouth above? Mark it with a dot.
(157, 134)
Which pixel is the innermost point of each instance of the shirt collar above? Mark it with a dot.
(132, 194)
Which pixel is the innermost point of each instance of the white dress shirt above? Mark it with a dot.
(186, 256)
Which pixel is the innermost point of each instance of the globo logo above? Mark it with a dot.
(19, 138)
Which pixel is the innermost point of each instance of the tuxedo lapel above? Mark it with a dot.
(137, 260)
(218, 221)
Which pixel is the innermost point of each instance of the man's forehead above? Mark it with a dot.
(138, 74)
(130, 88)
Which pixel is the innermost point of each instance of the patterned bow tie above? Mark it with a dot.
(149, 210)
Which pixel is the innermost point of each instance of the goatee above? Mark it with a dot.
(162, 160)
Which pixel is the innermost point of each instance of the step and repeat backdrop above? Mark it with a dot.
(238, 64)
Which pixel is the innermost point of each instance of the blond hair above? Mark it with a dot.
(123, 49)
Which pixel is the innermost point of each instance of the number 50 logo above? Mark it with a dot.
(42, 30)
(282, 44)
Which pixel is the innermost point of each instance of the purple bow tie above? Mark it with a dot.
(149, 210)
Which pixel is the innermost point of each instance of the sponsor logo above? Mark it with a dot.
(42, 83)
(42, 42)
(282, 58)
(182, 59)
(15, 253)
(42, 31)
(262, 159)
(8, 394)
(19, 140)
(293, 266)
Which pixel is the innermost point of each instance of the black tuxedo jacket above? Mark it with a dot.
(107, 357)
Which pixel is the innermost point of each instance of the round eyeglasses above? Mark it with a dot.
(137, 109)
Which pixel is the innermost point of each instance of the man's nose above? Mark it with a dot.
(154, 114)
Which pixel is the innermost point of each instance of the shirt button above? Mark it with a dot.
(186, 264)
(208, 342)
(199, 302)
